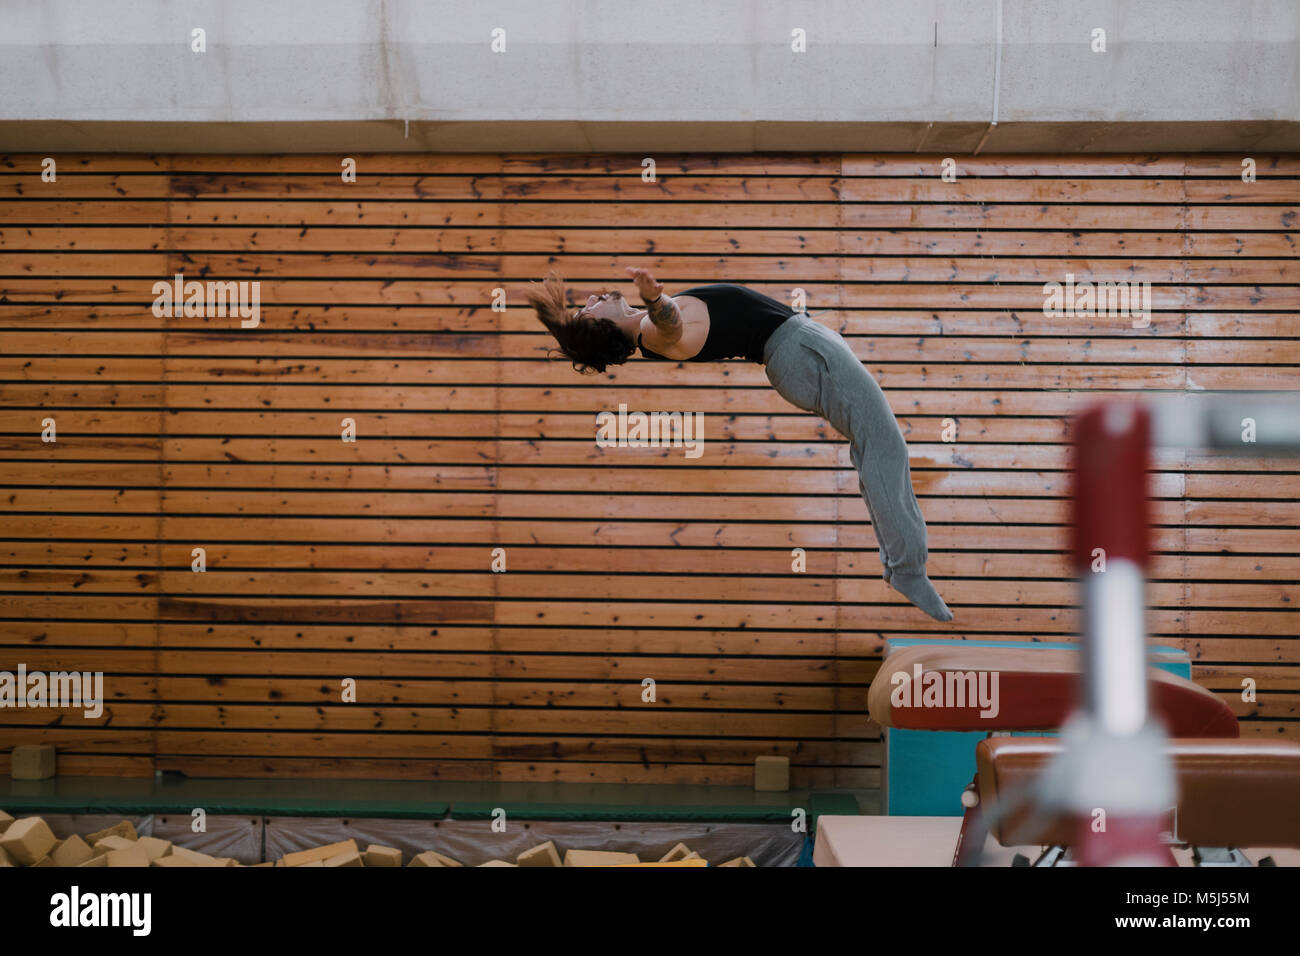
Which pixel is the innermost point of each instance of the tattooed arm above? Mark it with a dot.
(661, 309)
(664, 314)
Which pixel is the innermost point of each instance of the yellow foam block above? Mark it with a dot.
(698, 861)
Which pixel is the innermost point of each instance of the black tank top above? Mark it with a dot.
(740, 321)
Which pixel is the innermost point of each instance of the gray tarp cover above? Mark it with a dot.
(240, 837)
(470, 841)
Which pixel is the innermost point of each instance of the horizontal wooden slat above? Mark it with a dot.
(652, 215)
(413, 292)
(467, 372)
(779, 164)
(709, 397)
(631, 506)
(763, 584)
(605, 241)
(597, 188)
(553, 771)
(462, 747)
(1180, 566)
(751, 269)
(621, 639)
(443, 346)
(758, 480)
(849, 534)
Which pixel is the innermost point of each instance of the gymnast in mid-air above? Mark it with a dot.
(810, 366)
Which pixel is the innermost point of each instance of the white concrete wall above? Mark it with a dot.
(641, 74)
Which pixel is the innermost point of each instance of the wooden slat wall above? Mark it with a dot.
(371, 560)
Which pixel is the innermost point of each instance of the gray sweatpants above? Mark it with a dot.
(815, 370)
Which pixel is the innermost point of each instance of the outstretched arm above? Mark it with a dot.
(661, 309)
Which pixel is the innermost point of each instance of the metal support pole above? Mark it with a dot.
(1114, 776)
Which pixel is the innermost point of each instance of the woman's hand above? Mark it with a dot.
(645, 284)
(660, 309)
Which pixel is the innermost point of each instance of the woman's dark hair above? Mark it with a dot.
(590, 344)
